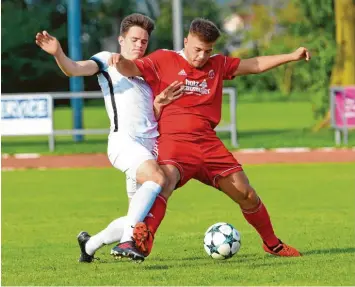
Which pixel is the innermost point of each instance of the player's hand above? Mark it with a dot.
(48, 43)
(301, 53)
(114, 59)
(173, 92)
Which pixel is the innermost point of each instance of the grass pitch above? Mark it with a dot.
(311, 205)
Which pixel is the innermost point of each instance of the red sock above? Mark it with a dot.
(259, 218)
(157, 213)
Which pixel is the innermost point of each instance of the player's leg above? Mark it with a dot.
(226, 174)
(157, 212)
(90, 244)
(112, 233)
(144, 232)
(178, 167)
(143, 168)
(152, 180)
(236, 186)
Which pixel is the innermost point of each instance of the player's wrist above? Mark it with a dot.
(292, 57)
(157, 109)
(58, 53)
(159, 100)
(158, 106)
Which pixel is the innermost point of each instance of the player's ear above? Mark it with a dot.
(185, 42)
(120, 40)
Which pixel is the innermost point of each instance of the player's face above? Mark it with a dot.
(134, 43)
(197, 51)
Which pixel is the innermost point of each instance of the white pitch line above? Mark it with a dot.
(326, 149)
(252, 150)
(5, 155)
(26, 155)
(292, 149)
(8, 169)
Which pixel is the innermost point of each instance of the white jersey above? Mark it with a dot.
(128, 101)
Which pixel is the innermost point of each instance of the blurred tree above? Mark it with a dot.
(25, 68)
(309, 23)
(343, 73)
(163, 36)
(344, 67)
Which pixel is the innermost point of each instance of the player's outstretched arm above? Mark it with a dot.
(70, 68)
(126, 67)
(261, 64)
(173, 92)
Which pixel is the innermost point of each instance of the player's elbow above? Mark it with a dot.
(78, 73)
(257, 69)
(68, 74)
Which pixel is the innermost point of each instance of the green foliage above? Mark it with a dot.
(191, 9)
(23, 63)
(301, 23)
(25, 67)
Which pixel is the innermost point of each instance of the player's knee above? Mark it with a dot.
(166, 192)
(247, 192)
(160, 178)
(251, 196)
(170, 185)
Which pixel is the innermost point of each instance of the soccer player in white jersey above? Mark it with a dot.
(133, 130)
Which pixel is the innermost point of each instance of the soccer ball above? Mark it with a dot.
(221, 241)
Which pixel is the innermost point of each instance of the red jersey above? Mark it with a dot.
(199, 109)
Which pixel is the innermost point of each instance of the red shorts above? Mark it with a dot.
(202, 158)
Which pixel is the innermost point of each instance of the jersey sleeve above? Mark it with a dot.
(230, 65)
(151, 66)
(101, 59)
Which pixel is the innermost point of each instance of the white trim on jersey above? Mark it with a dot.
(154, 68)
(182, 54)
(128, 101)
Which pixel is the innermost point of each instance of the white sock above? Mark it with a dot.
(139, 207)
(112, 233)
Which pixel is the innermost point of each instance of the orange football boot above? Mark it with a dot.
(143, 238)
(282, 249)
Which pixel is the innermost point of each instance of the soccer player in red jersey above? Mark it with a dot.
(188, 146)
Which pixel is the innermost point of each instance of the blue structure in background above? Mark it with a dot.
(76, 83)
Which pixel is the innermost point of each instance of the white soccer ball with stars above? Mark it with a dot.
(221, 241)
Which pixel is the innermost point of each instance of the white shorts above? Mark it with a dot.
(127, 153)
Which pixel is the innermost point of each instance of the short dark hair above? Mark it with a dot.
(139, 20)
(205, 30)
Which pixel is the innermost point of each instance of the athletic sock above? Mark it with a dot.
(156, 214)
(112, 233)
(259, 218)
(139, 207)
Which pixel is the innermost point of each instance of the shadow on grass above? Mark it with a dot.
(330, 251)
(156, 267)
(130, 262)
(241, 256)
(237, 259)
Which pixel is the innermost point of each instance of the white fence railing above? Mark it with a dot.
(17, 111)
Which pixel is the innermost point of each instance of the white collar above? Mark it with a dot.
(182, 54)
